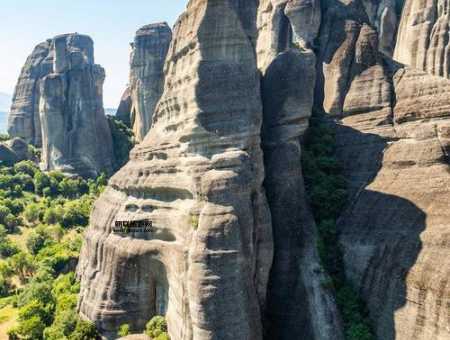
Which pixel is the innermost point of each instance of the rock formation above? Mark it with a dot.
(58, 105)
(14, 150)
(198, 177)
(150, 47)
(23, 120)
(393, 143)
(298, 306)
(423, 37)
(283, 23)
(383, 15)
(124, 109)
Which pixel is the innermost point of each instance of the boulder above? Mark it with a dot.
(20, 148)
(7, 156)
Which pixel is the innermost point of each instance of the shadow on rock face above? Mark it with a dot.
(380, 232)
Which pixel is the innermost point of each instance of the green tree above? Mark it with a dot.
(22, 265)
(30, 328)
(124, 330)
(26, 167)
(5, 286)
(84, 330)
(7, 247)
(123, 140)
(31, 212)
(36, 241)
(4, 211)
(156, 328)
(41, 181)
(53, 215)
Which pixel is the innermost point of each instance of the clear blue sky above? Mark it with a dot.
(111, 23)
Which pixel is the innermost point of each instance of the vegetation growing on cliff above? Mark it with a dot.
(157, 328)
(42, 216)
(123, 140)
(326, 189)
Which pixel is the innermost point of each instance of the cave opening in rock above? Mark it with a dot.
(159, 291)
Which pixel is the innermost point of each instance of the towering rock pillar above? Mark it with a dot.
(198, 177)
(146, 75)
(23, 120)
(75, 134)
(59, 105)
(298, 305)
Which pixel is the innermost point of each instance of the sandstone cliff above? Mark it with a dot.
(423, 37)
(198, 176)
(58, 105)
(139, 101)
(199, 172)
(392, 132)
(23, 120)
(298, 305)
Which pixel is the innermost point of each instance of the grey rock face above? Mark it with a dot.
(124, 110)
(20, 148)
(298, 306)
(383, 16)
(423, 37)
(23, 120)
(283, 23)
(75, 133)
(146, 76)
(14, 150)
(305, 18)
(59, 105)
(7, 156)
(392, 142)
(198, 177)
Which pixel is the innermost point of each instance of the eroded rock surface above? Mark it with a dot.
(298, 305)
(383, 15)
(58, 106)
(423, 37)
(149, 51)
(75, 133)
(392, 140)
(198, 177)
(23, 120)
(283, 24)
(124, 110)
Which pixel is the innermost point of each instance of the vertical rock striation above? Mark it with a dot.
(393, 144)
(383, 15)
(198, 177)
(149, 51)
(298, 305)
(58, 105)
(281, 23)
(23, 120)
(75, 133)
(423, 37)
